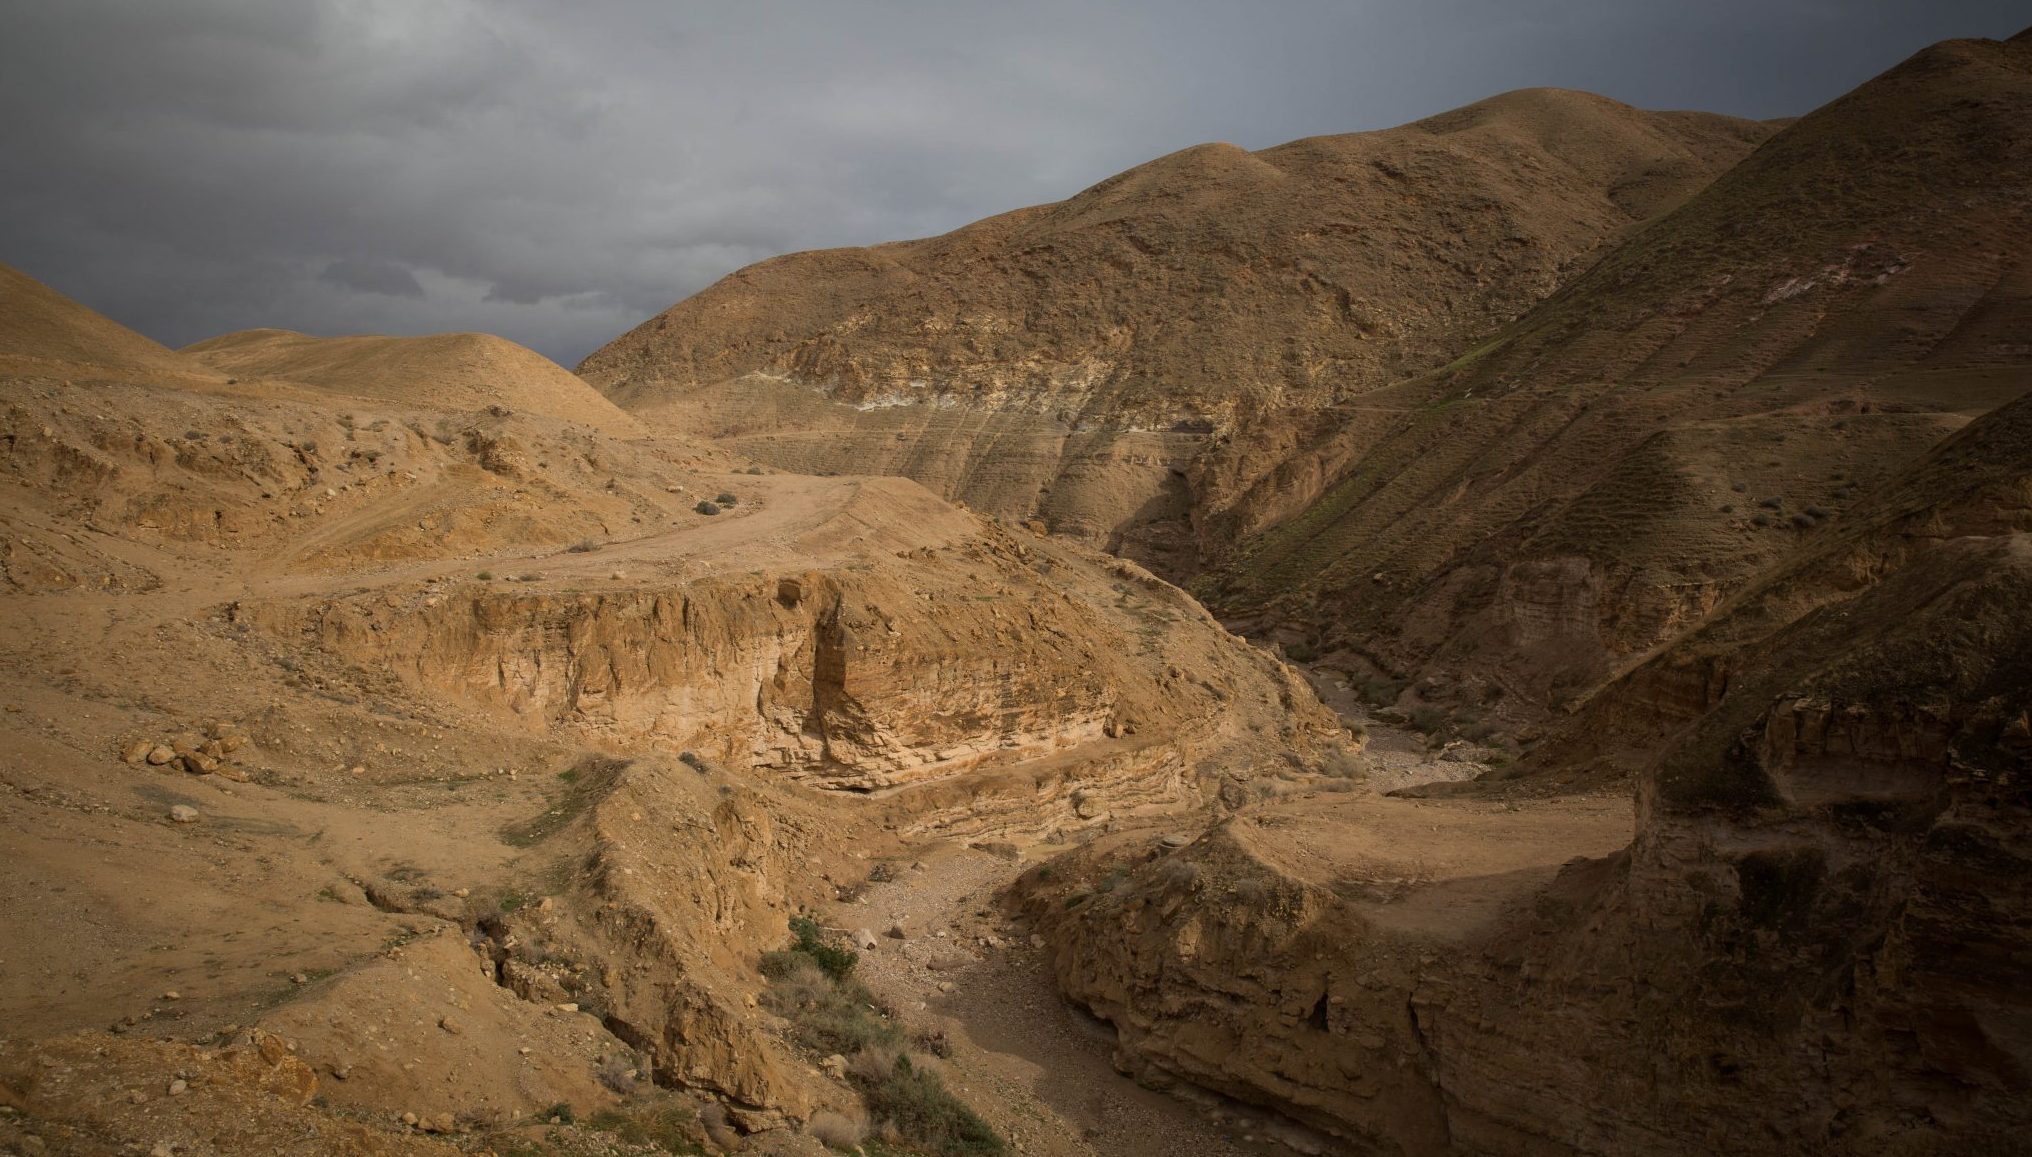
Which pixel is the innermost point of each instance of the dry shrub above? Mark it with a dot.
(1177, 874)
(875, 1062)
(836, 1131)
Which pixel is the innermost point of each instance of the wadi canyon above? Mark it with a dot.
(1504, 635)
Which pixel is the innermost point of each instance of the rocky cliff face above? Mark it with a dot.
(945, 662)
(1070, 361)
(1815, 938)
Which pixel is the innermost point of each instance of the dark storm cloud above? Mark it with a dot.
(556, 172)
(371, 276)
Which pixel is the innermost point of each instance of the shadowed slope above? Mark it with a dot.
(1608, 468)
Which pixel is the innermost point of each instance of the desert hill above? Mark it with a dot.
(1721, 386)
(447, 371)
(43, 331)
(1066, 361)
(349, 738)
(398, 757)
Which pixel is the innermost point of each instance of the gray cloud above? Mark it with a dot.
(369, 275)
(557, 172)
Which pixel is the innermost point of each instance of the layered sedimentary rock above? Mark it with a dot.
(948, 660)
(1072, 361)
(1604, 471)
(1816, 939)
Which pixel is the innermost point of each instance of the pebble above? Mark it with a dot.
(450, 1025)
(178, 1087)
(159, 755)
(184, 814)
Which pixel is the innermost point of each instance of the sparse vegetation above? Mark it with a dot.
(485, 575)
(1381, 692)
(812, 987)
(810, 945)
(926, 1114)
(725, 498)
(618, 1072)
(1301, 652)
(660, 1120)
(705, 507)
(584, 546)
(1177, 873)
(1428, 720)
(835, 1131)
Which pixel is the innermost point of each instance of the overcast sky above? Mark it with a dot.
(557, 171)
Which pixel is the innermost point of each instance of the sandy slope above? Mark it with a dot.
(448, 371)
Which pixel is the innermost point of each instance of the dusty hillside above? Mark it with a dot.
(44, 332)
(1715, 391)
(1815, 941)
(1066, 361)
(380, 771)
(447, 371)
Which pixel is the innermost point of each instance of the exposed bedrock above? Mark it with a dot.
(1816, 940)
(944, 678)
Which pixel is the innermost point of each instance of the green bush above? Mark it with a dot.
(1428, 720)
(812, 941)
(706, 508)
(725, 498)
(831, 1013)
(926, 1113)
